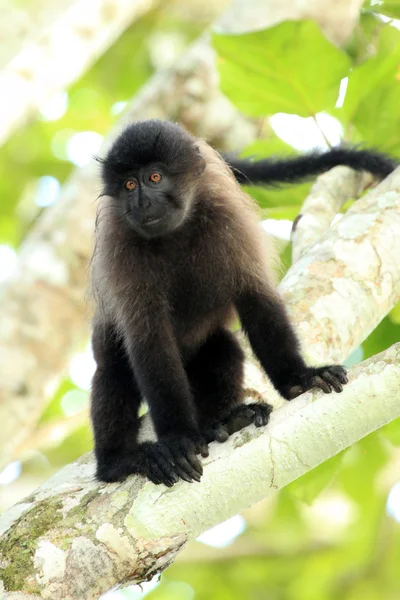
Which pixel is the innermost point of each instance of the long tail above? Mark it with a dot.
(272, 171)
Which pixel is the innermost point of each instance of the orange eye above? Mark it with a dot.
(131, 184)
(155, 177)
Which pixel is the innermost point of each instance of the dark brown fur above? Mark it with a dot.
(165, 296)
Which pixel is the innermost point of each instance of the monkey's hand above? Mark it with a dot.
(329, 378)
(239, 418)
(172, 458)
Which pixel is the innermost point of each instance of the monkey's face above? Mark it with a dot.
(151, 201)
(152, 172)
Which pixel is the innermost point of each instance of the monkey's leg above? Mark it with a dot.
(216, 378)
(115, 404)
(114, 408)
(275, 344)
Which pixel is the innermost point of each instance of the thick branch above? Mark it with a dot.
(327, 196)
(351, 276)
(44, 316)
(82, 538)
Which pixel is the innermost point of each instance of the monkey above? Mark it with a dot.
(178, 254)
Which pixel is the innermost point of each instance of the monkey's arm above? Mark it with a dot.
(274, 342)
(156, 362)
(272, 171)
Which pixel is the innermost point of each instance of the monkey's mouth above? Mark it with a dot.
(152, 221)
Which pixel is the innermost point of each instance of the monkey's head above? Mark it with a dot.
(152, 172)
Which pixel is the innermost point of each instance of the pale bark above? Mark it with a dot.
(343, 286)
(44, 316)
(56, 44)
(81, 538)
(327, 196)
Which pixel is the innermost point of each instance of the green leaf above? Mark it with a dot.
(288, 68)
(394, 314)
(288, 213)
(390, 8)
(383, 336)
(361, 464)
(391, 431)
(378, 118)
(267, 147)
(281, 197)
(373, 94)
(311, 484)
(364, 34)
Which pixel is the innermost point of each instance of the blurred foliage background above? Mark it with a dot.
(334, 533)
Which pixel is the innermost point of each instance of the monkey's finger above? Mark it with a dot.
(167, 468)
(182, 474)
(262, 413)
(240, 419)
(294, 391)
(183, 464)
(221, 434)
(168, 477)
(202, 448)
(157, 476)
(333, 381)
(340, 373)
(161, 462)
(165, 453)
(188, 453)
(317, 381)
(188, 460)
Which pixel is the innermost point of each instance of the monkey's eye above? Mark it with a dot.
(155, 177)
(131, 184)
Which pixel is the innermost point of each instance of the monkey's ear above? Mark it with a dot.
(201, 164)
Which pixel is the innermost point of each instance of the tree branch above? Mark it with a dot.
(351, 274)
(76, 538)
(327, 196)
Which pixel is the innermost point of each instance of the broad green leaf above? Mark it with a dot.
(390, 8)
(367, 79)
(288, 68)
(311, 484)
(378, 117)
(367, 30)
(371, 101)
(268, 147)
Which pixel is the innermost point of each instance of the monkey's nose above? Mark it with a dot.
(144, 202)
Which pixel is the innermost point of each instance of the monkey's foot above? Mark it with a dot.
(239, 418)
(329, 378)
(172, 458)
